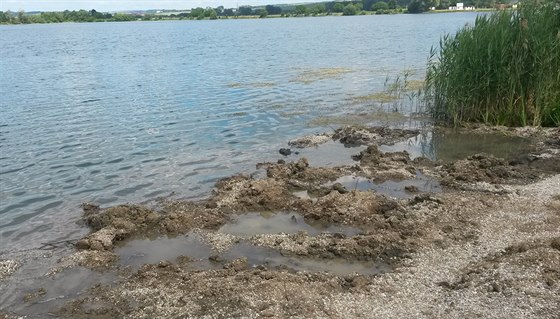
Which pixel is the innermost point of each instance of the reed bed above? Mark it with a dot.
(503, 70)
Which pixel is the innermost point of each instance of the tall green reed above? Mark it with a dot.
(504, 70)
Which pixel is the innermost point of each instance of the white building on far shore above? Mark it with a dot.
(460, 6)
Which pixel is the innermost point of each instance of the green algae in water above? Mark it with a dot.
(251, 85)
(380, 97)
(357, 119)
(310, 76)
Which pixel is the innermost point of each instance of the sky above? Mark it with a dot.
(116, 5)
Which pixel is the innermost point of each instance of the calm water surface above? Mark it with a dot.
(124, 112)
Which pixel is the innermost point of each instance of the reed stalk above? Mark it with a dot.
(503, 70)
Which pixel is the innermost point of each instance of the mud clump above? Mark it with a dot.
(242, 194)
(300, 175)
(484, 168)
(360, 135)
(383, 166)
(387, 246)
(308, 141)
(125, 221)
(355, 208)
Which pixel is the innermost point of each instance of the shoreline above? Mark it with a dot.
(478, 246)
(369, 13)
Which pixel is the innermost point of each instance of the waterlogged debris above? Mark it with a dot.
(289, 223)
(310, 76)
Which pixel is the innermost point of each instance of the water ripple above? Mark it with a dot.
(116, 113)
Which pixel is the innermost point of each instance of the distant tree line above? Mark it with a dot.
(321, 8)
(21, 17)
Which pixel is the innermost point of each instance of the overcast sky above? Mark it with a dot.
(115, 5)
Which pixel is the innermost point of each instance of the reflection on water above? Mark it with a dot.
(45, 294)
(137, 252)
(399, 189)
(450, 145)
(329, 154)
(274, 223)
(201, 257)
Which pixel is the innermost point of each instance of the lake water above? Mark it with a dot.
(124, 112)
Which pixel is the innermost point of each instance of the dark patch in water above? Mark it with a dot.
(87, 164)
(26, 203)
(118, 160)
(131, 190)
(91, 101)
(16, 169)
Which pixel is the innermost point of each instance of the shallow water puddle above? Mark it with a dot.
(53, 292)
(290, 223)
(138, 252)
(329, 154)
(272, 258)
(399, 189)
(202, 257)
(452, 145)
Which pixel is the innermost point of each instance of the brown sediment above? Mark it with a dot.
(488, 245)
(363, 135)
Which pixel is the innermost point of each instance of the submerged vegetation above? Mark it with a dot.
(313, 75)
(504, 70)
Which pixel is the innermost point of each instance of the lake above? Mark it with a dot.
(126, 112)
